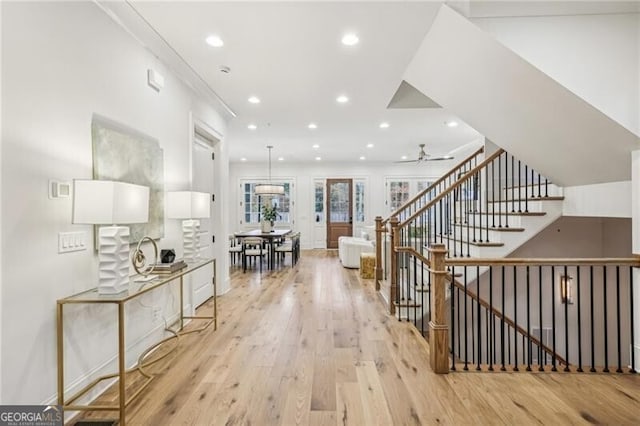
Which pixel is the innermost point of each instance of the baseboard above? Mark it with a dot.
(636, 350)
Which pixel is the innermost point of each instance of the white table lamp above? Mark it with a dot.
(100, 202)
(190, 206)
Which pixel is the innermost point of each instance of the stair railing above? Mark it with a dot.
(383, 246)
(576, 314)
(488, 197)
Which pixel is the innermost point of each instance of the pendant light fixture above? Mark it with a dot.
(269, 188)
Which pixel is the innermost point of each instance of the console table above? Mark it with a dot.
(136, 289)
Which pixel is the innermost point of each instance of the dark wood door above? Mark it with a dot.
(339, 212)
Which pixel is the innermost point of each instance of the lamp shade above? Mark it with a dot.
(269, 189)
(104, 202)
(188, 205)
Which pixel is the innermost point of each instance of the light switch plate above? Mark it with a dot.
(72, 241)
(59, 189)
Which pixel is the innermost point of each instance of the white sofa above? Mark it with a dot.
(350, 248)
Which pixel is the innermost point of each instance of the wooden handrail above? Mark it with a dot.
(433, 185)
(507, 320)
(456, 185)
(414, 252)
(623, 261)
(492, 309)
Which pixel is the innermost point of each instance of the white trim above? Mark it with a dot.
(635, 346)
(1, 240)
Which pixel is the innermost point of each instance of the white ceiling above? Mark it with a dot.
(289, 54)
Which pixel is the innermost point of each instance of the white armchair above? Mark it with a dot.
(350, 248)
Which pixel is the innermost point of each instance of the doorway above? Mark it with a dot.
(339, 212)
(203, 181)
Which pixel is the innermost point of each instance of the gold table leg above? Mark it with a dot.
(60, 343)
(121, 364)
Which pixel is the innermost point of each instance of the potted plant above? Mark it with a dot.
(269, 215)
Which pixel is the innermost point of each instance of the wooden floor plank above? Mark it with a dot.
(376, 409)
(312, 345)
(349, 404)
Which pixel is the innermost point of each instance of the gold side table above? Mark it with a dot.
(136, 289)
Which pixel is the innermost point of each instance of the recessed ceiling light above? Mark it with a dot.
(404, 157)
(214, 41)
(362, 157)
(384, 125)
(312, 126)
(254, 100)
(315, 146)
(243, 159)
(280, 158)
(318, 158)
(252, 127)
(451, 123)
(369, 145)
(350, 39)
(342, 99)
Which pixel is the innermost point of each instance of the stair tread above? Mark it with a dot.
(550, 198)
(513, 213)
(477, 243)
(408, 304)
(535, 184)
(492, 228)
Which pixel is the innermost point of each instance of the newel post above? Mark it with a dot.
(393, 288)
(438, 329)
(378, 251)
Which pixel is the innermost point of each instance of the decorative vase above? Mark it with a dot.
(266, 226)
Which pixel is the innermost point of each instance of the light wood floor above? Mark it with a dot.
(312, 345)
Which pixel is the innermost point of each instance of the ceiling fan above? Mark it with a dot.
(423, 156)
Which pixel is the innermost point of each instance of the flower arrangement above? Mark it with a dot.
(269, 213)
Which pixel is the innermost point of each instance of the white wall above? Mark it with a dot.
(61, 63)
(600, 200)
(304, 175)
(594, 56)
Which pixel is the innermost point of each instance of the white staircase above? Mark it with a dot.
(517, 106)
(502, 241)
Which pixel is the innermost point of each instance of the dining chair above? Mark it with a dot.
(253, 247)
(290, 245)
(235, 249)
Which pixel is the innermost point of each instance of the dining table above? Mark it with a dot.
(269, 236)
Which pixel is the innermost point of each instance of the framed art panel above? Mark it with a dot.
(126, 155)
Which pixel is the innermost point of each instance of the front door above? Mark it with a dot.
(339, 213)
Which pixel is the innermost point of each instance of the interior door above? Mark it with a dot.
(203, 167)
(339, 212)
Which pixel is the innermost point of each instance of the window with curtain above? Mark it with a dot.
(398, 194)
(359, 201)
(252, 203)
(401, 190)
(319, 201)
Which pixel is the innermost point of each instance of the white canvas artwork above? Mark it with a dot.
(126, 155)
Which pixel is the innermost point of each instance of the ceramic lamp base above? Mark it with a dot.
(113, 259)
(191, 235)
